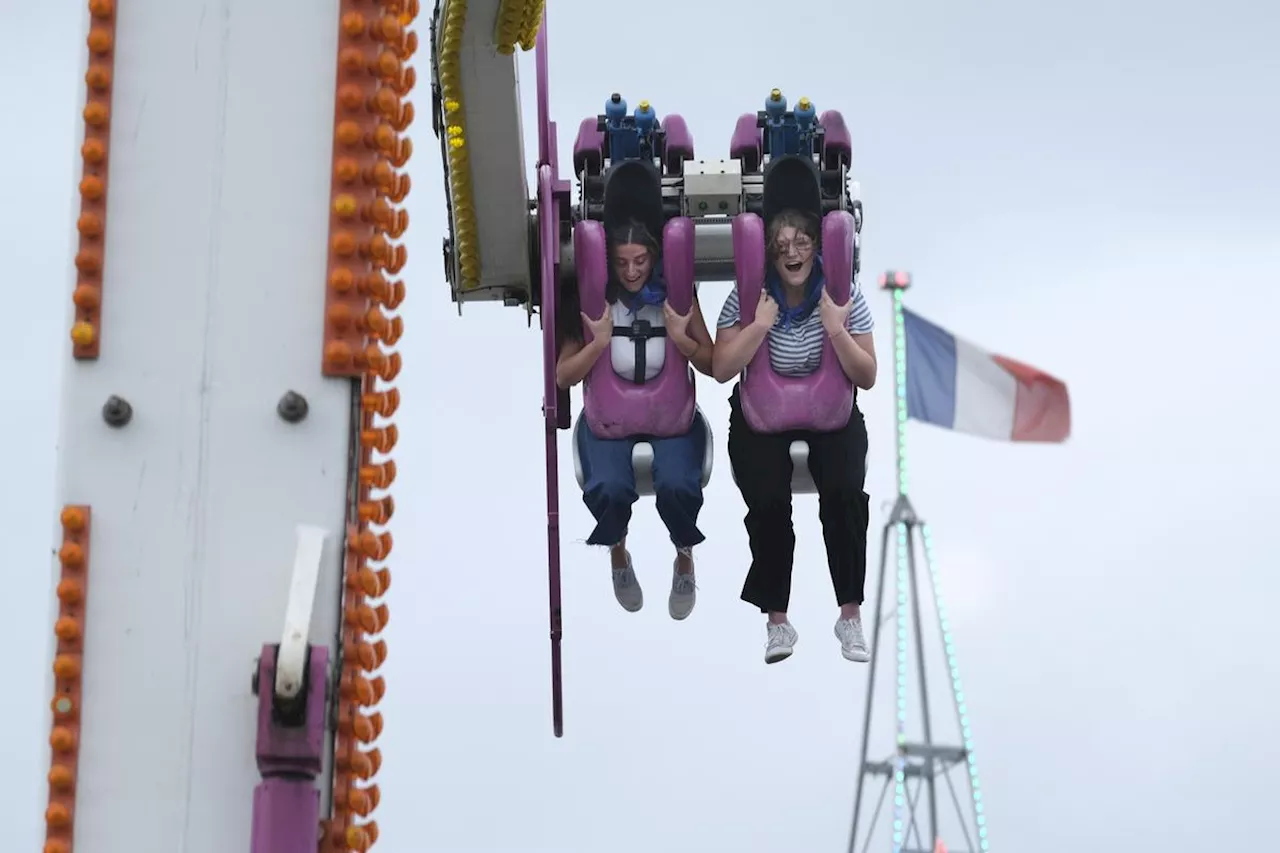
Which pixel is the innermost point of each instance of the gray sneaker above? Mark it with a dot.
(853, 645)
(684, 592)
(782, 642)
(626, 588)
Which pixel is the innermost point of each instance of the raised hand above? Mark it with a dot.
(766, 310)
(677, 324)
(601, 330)
(833, 316)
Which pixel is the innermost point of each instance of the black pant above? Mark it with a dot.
(762, 467)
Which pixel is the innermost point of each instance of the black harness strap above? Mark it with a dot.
(641, 332)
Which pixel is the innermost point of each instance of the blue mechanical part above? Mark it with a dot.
(789, 132)
(634, 137)
(646, 119)
(615, 109)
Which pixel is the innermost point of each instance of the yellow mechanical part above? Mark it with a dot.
(517, 24)
(461, 191)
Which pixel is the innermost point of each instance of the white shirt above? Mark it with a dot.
(622, 349)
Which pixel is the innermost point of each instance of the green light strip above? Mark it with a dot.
(900, 387)
(957, 688)
(900, 758)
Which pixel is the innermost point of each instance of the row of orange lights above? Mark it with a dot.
(92, 223)
(68, 662)
(360, 328)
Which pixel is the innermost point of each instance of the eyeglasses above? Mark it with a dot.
(802, 245)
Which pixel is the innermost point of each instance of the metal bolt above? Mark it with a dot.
(116, 411)
(292, 407)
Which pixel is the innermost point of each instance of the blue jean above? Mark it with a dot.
(609, 489)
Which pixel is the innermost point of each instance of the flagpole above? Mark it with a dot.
(927, 757)
(897, 283)
(904, 520)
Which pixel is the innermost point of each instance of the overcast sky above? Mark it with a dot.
(1089, 187)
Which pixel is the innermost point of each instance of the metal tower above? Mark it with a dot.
(916, 768)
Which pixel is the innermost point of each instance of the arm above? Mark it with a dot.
(735, 347)
(854, 345)
(696, 344)
(857, 357)
(576, 360)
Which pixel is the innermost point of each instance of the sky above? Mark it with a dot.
(1089, 188)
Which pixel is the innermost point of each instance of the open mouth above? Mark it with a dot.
(794, 266)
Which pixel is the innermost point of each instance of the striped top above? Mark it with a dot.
(797, 351)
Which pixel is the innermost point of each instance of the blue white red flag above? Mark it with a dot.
(959, 386)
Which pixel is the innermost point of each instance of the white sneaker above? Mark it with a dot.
(853, 645)
(626, 588)
(684, 592)
(782, 642)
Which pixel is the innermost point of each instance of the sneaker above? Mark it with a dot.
(626, 588)
(853, 645)
(684, 592)
(782, 642)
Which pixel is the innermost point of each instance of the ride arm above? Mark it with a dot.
(697, 334)
(735, 347)
(857, 356)
(577, 359)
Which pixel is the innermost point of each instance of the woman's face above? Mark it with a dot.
(632, 263)
(793, 252)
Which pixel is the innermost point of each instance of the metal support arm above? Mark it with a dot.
(291, 683)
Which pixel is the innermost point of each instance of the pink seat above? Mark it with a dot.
(616, 407)
(823, 400)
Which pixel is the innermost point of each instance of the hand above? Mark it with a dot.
(833, 316)
(677, 326)
(601, 330)
(766, 310)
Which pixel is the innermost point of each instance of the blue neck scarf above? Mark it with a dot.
(787, 316)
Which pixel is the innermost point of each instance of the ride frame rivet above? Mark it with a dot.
(292, 407)
(116, 411)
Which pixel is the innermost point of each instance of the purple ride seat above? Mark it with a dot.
(614, 406)
(823, 400)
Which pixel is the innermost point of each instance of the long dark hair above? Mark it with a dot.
(630, 233)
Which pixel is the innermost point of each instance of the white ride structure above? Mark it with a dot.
(227, 420)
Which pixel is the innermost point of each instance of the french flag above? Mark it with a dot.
(958, 386)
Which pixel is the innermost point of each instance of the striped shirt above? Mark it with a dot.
(797, 351)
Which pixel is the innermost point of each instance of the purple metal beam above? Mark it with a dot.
(548, 231)
(286, 805)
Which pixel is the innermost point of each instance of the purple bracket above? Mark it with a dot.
(588, 148)
(553, 194)
(747, 145)
(286, 805)
(838, 145)
(679, 143)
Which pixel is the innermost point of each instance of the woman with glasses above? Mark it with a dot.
(795, 315)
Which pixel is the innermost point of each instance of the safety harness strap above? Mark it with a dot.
(641, 332)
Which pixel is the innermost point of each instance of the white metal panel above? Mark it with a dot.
(491, 108)
(212, 309)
